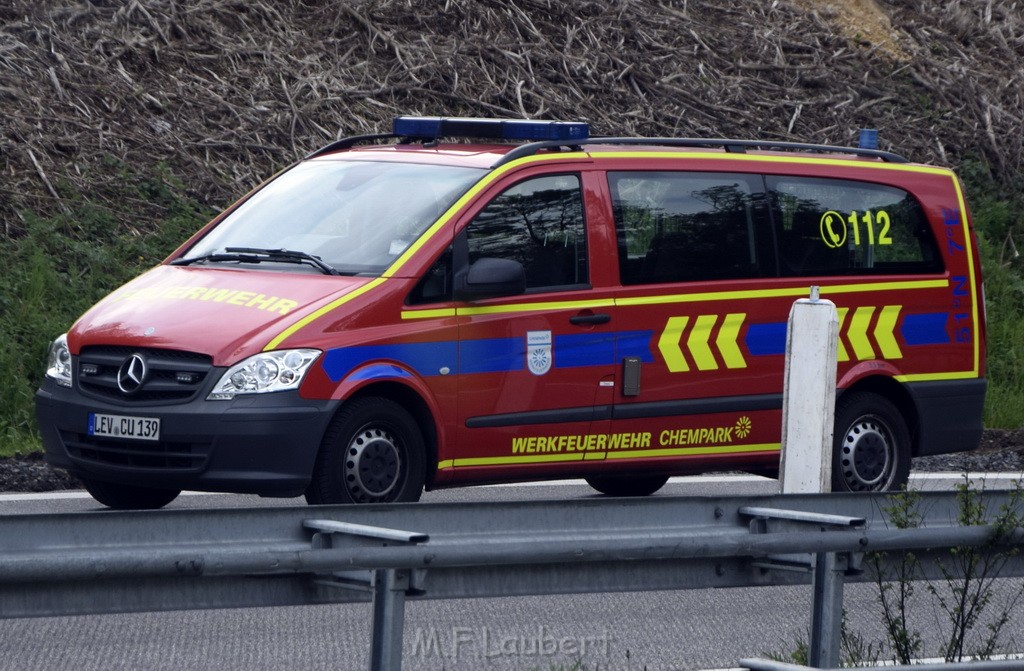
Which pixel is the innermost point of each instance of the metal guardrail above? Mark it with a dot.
(109, 562)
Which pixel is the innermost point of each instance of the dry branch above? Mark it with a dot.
(227, 91)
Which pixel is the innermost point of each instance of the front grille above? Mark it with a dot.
(156, 455)
(171, 376)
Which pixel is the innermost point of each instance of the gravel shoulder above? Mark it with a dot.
(999, 451)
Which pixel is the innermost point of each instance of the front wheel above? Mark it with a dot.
(129, 497)
(624, 485)
(871, 445)
(372, 452)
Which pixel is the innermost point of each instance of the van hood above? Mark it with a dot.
(226, 313)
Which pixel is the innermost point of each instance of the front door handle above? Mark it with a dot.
(598, 318)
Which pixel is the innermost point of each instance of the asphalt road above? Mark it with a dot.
(699, 629)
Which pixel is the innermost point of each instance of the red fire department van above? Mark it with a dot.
(395, 313)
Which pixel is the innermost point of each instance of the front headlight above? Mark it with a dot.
(58, 363)
(264, 373)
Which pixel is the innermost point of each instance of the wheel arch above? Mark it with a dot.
(898, 395)
(417, 406)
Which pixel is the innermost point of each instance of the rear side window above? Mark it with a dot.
(538, 222)
(841, 227)
(684, 227)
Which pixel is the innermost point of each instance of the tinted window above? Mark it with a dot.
(539, 223)
(679, 227)
(840, 227)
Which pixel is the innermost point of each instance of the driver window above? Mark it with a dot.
(538, 222)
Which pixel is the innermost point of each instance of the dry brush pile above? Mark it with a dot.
(223, 92)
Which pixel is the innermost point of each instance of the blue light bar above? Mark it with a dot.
(868, 138)
(432, 127)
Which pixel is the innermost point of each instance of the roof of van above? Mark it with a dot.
(489, 143)
(487, 156)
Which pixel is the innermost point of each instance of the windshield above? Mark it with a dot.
(356, 216)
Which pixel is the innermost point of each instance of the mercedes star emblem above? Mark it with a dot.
(131, 374)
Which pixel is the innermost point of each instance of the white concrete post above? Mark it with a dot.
(809, 396)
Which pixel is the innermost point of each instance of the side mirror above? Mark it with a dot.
(490, 278)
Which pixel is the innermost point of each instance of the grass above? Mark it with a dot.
(64, 264)
(60, 267)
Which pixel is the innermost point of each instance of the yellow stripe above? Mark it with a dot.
(626, 454)
(885, 332)
(841, 353)
(937, 377)
(677, 298)
(428, 314)
(684, 451)
(333, 305)
(499, 461)
(858, 333)
(668, 344)
(727, 340)
(698, 345)
(791, 160)
(535, 307)
(782, 293)
(884, 286)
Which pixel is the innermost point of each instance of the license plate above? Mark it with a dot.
(120, 426)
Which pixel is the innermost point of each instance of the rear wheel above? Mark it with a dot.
(871, 445)
(372, 452)
(623, 485)
(129, 497)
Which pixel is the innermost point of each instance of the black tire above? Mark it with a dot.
(624, 485)
(372, 452)
(871, 446)
(129, 497)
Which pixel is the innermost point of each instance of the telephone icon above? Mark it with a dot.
(833, 230)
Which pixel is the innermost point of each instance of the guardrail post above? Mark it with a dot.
(827, 611)
(389, 588)
(808, 411)
(809, 396)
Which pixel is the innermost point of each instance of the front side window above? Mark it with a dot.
(539, 223)
(357, 216)
(686, 227)
(843, 227)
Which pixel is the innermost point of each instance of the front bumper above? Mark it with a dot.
(258, 444)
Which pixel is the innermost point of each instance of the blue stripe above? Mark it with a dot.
(766, 339)
(380, 371)
(426, 359)
(635, 343)
(925, 329)
(492, 355)
(489, 355)
(585, 349)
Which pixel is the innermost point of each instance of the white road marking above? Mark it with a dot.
(691, 479)
(76, 494)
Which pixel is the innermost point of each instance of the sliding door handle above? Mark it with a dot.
(590, 319)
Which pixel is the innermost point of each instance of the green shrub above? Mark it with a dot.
(60, 267)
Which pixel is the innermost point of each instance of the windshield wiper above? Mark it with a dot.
(257, 255)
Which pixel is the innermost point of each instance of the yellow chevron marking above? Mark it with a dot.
(842, 354)
(727, 339)
(858, 333)
(668, 344)
(697, 343)
(885, 332)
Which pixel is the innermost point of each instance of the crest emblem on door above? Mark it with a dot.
(538, 351)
